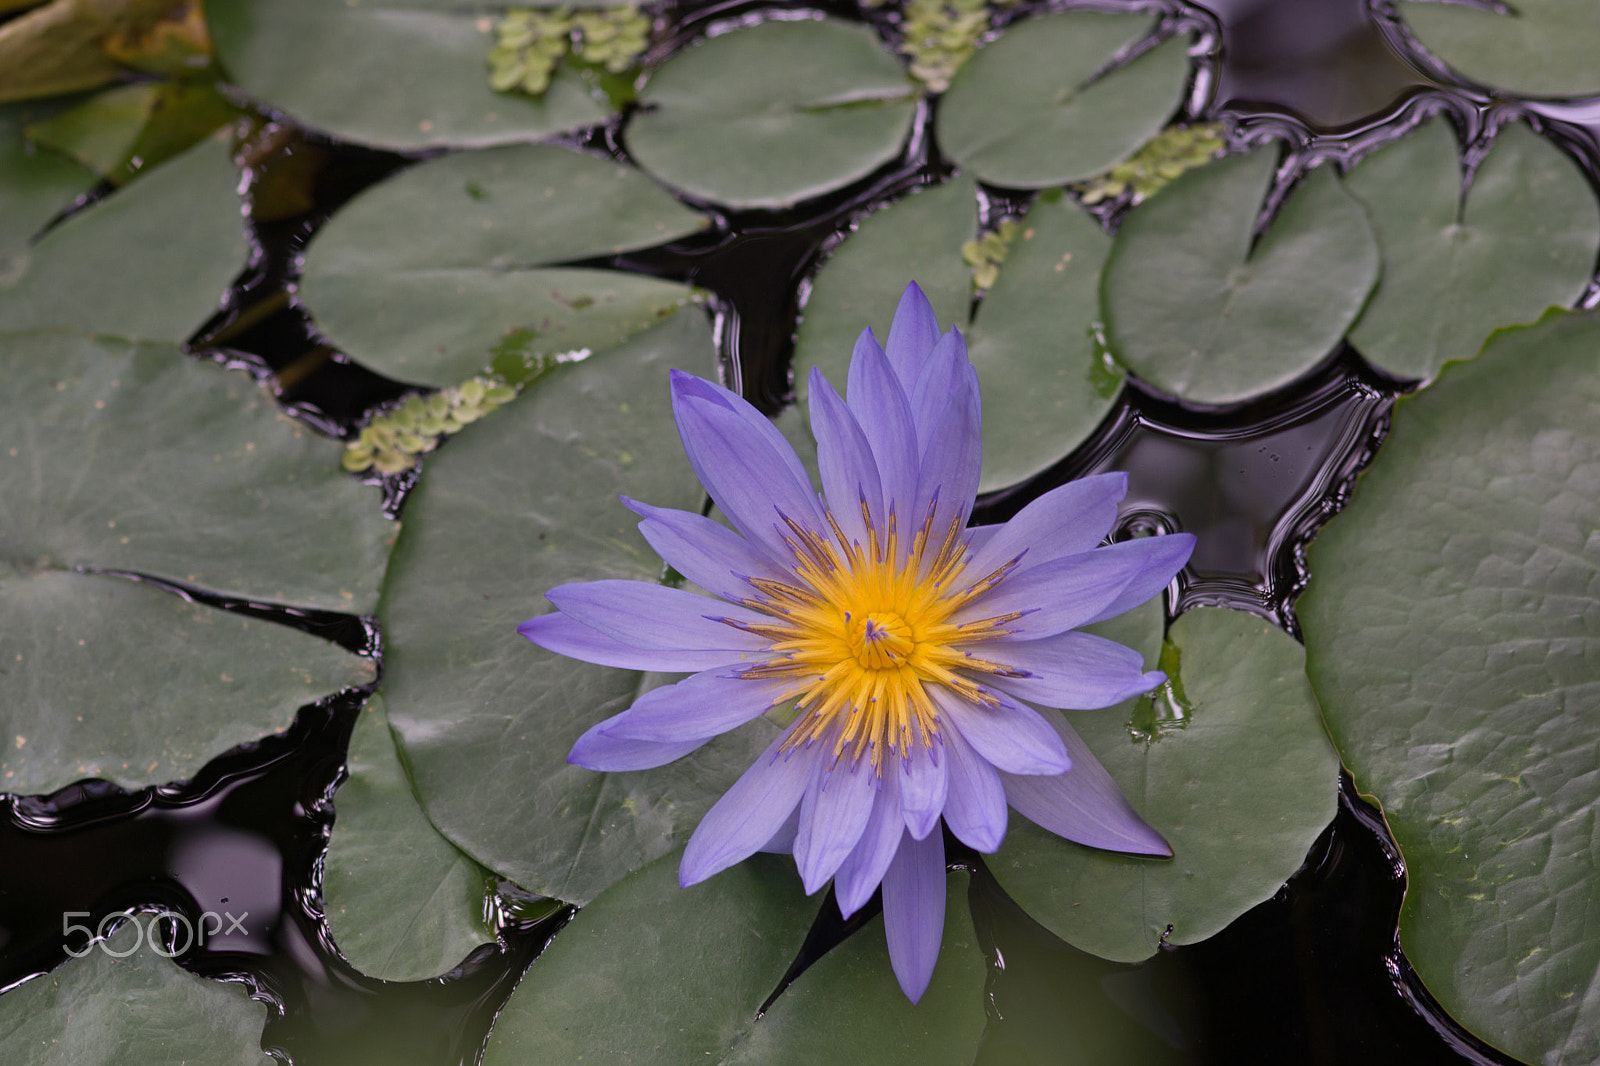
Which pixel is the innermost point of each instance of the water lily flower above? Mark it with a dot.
(913, 648)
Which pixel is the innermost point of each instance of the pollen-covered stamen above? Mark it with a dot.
(857, 633)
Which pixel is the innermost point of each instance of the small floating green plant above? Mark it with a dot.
(1165, 156)
(985, 254)
(392, 442)
(530, 43)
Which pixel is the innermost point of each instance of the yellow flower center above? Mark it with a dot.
(863, 633)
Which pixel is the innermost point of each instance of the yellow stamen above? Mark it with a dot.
(863, 632)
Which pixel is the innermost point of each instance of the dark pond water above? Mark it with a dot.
(1313, 975)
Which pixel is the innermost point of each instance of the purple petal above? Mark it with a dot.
(833, 814)
(709, 703)
(647, 615)
(923, 786)
(975, 809)
(1084, 804)
(1162, 557)
(1057, 596)
(1072, 518)
(595, 750)
(782, 842)
(1078, 671)
(844, 459)
(566, 636)
(875, 397)
(941, 377)
(913, 911)
(860, 873)
(754, 481)
(759, 424)
(706, 552)
(912, 335)
(950, 467)
(1009, 736)
(748, 815)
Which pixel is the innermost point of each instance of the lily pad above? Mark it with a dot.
(1198, 308)
(121, 1003)
(403, 904)
(426, 275)
(1452, 633)
(514, 505)
(1524, 240)
(1028, 111)
(150, 262)
(35, 185)
(721, 948)
(773, 114)
(130, 457)
(391, 73)
(1031, 338)
(1231, 765)
(1533, 48)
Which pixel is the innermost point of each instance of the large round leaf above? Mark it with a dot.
(776, 113)
(1028, 111)
(1031, 339)
(403, 904)
(1233, 767)
(135, 458)
(1534, 47)
(121, 1004)
(1525, 239)
(514, 505)
(151, 262)
(651, 973)
(34, 187)
(1453, 635)
(424, 275)
(393, 73)
(1196, 307)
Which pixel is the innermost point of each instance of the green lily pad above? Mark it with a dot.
(121, 1003)
(1031, 338)
(1028, 111)
(403, 904)
(1524, 240)
(1452, 630)
(1533, 48)
(150, 262)
(514, 505)
(721, 948)
(1234, 769)
(1196, 309)
(131, 457)
(35, 186)
(773, 114)
(390, 73)
(101, 131)
(430, 275)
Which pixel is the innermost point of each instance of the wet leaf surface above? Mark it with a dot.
(403, 904)
(106, 1010)
(722, 946)
(1453, 631)
(388, 73)
(1535, 47)
(1239, 777)
(150, 262)
(433, 274)
(1027, 110)
(1197, 308)
(1524, 240)
(34, 186)
(773, 114)
(514, 505)
(1030, 341)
